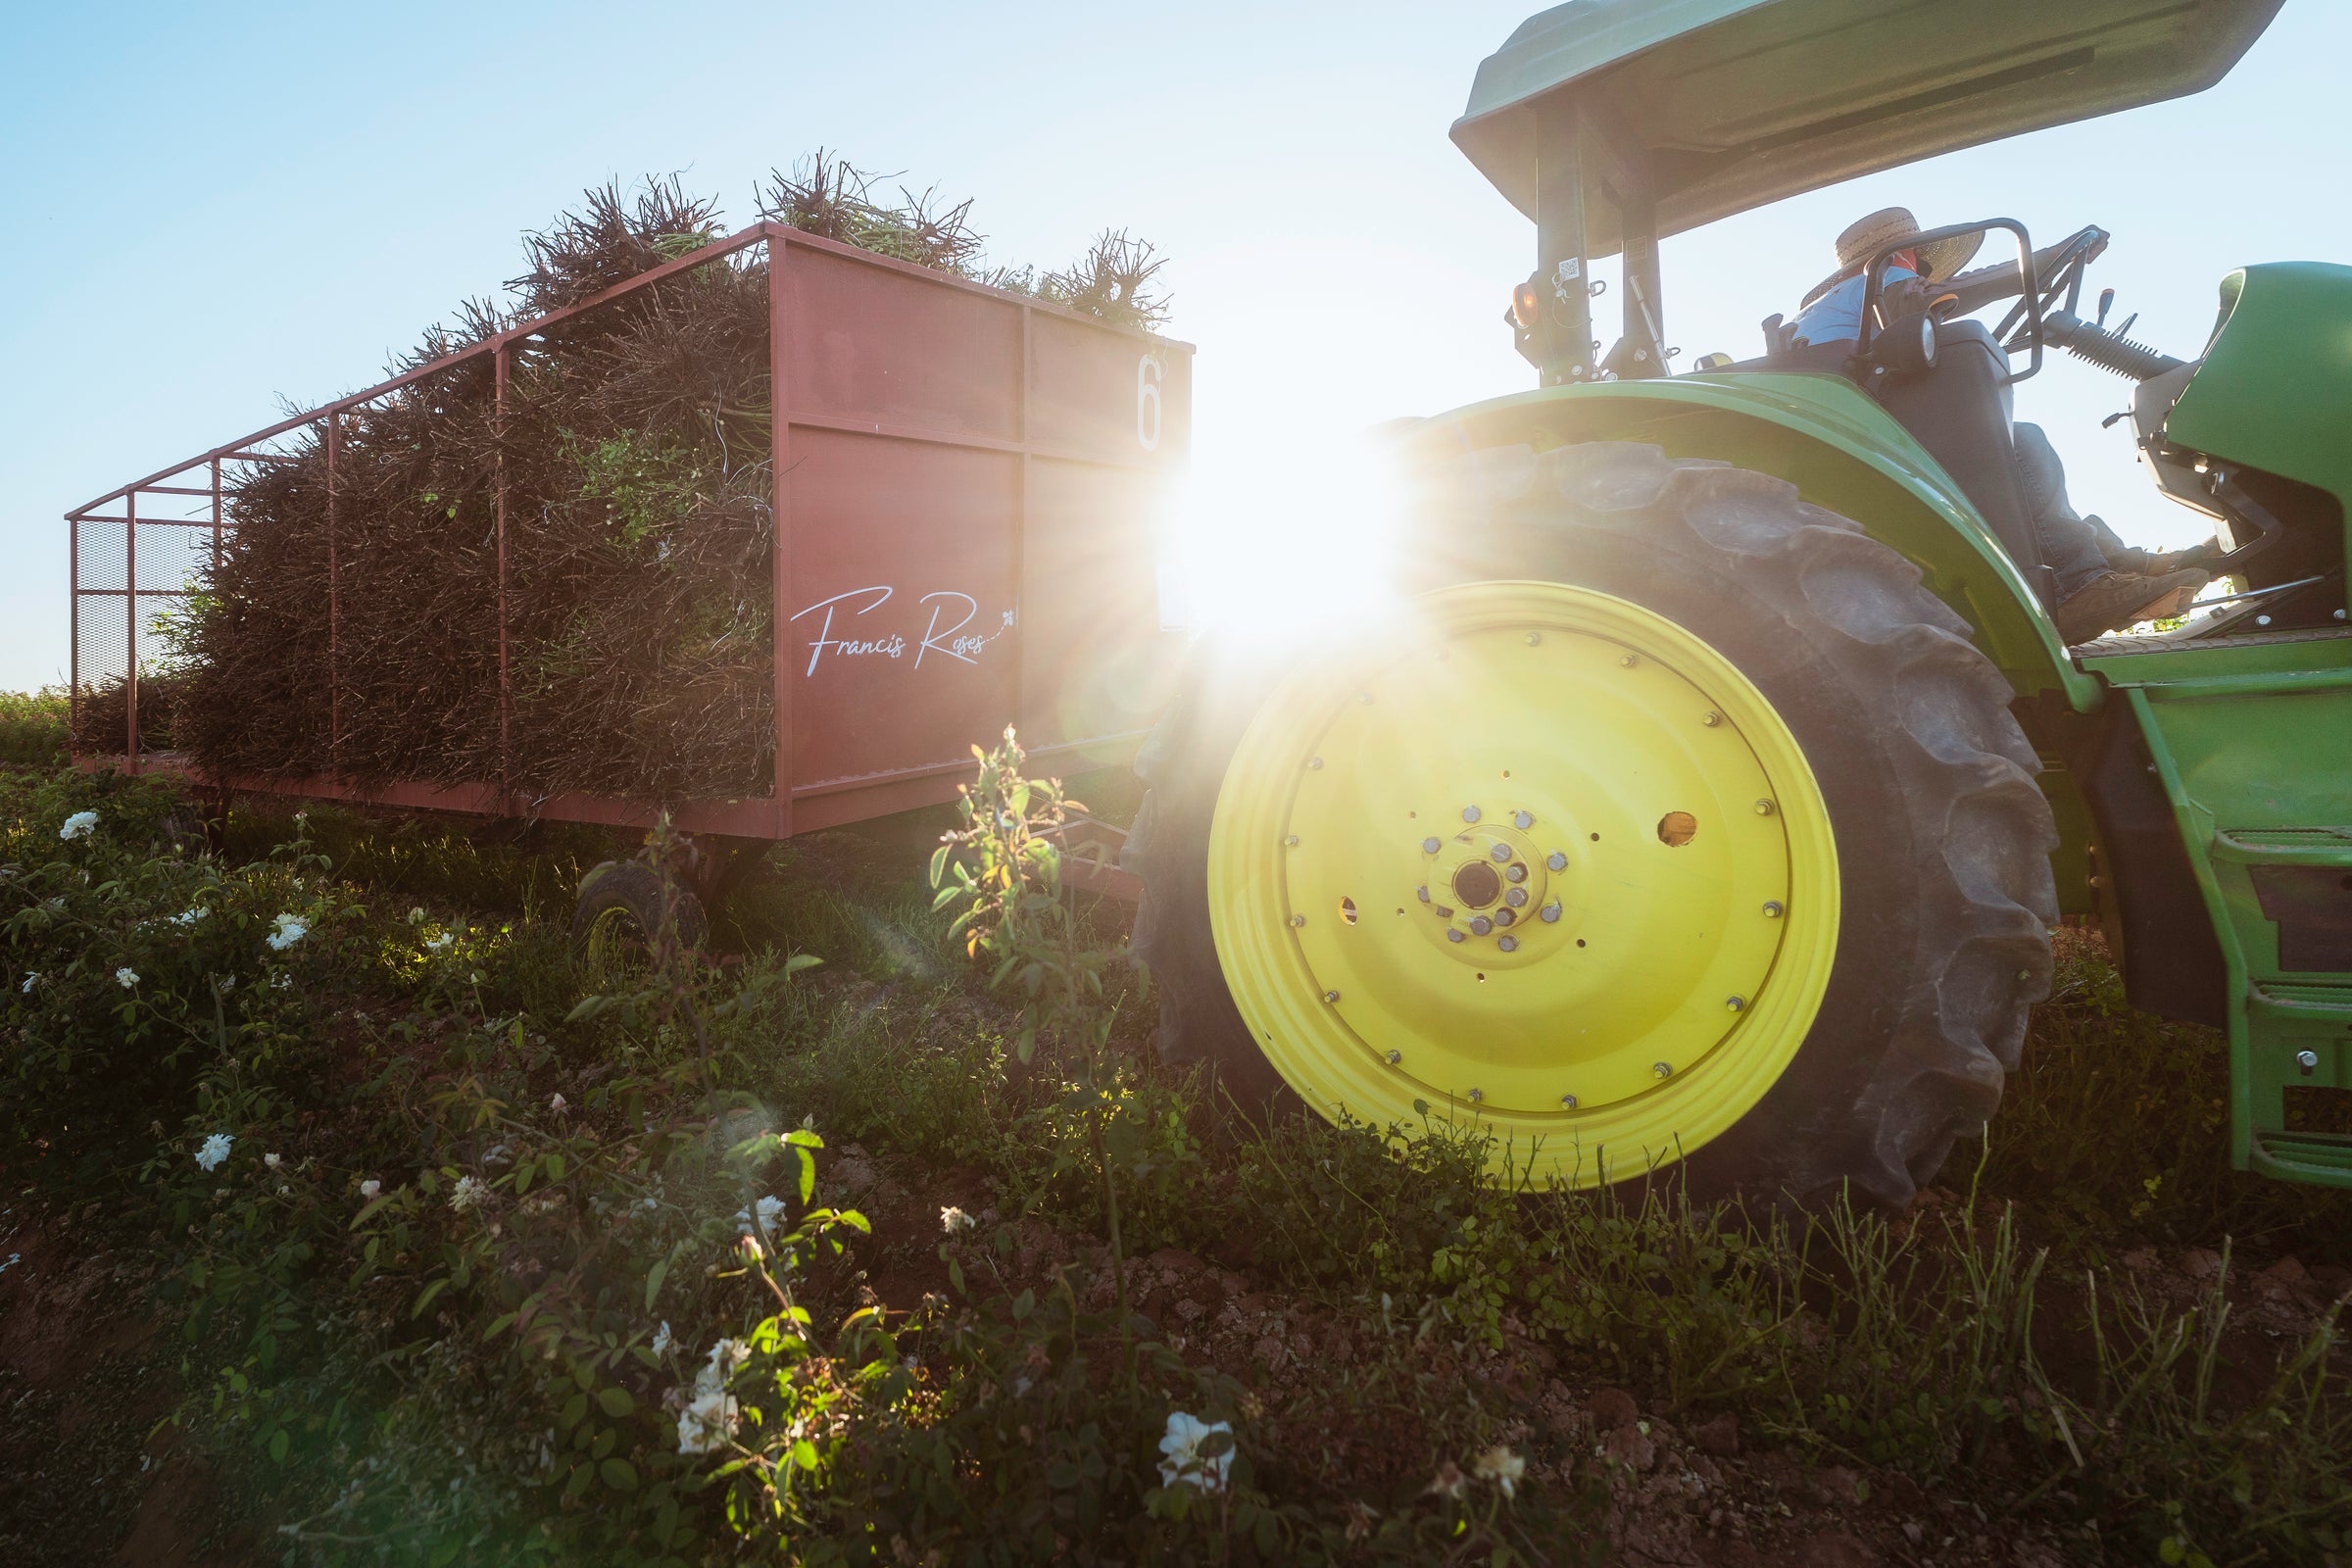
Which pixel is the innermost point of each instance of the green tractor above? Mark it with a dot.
(1708, 807)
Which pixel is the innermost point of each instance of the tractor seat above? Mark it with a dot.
(1961, 412)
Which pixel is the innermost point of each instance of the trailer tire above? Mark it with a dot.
(620, 910)
(1926, 783)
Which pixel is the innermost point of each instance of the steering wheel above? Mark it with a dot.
(2063, 277)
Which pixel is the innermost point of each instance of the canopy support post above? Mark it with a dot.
(1643, 354)
(1564, 333)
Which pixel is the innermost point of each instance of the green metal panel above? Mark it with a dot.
(1841, 451)
(2276, 381)
(1729, 104)
(2252, 742)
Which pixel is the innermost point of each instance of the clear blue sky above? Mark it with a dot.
(214, 209)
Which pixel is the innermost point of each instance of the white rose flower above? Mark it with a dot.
(214, 1152)
(1501, 1466)
(770, 1210)
(1184, 1462)
(187, 918)
(712, 1416)
(371, 1188)
(708, 1422)
(290, 930)
(663, 1339)
(126, 977)
(31, 981)
(271, 1161)
(80, 825)
(556, 1104)
(468, 1195)
(953, 1220)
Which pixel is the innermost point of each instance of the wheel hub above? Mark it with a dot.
(1573, 912)
(1489, 883)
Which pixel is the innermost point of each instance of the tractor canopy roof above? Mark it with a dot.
(1724, 105)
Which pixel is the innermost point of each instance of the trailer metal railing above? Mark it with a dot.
(146, 556)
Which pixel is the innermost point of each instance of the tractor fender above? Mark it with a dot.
(1841, 451)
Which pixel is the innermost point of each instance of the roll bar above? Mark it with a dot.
(2029, 300)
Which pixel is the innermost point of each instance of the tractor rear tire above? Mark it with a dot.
(618, 913)
(1941, 837)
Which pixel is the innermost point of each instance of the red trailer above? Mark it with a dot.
(970, 497)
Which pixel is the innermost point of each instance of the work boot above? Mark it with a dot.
(2197, 557)
(2115, 600)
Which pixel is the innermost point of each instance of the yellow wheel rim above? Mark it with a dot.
(1547, 861)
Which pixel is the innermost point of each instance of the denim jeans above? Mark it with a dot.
(2076, 549)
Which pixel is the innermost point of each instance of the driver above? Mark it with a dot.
(2102, 584)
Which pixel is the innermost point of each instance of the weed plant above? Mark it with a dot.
(32, 728)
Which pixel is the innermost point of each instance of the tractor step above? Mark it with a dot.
(2285, 845)
(2324, 1160)
(2286, 1001)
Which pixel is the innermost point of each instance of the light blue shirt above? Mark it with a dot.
(1837, 317)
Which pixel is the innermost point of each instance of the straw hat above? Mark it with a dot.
(1866, 237)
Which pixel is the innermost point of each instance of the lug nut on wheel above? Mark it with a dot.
(1549, 914)
(1509, 944)
(1480, 925)
(1556, 861)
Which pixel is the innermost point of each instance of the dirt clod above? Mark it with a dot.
(1611, 1408)
(1719, 1436)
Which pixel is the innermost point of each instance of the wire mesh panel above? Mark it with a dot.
(171, 556)
(130, 581)
(101, 635)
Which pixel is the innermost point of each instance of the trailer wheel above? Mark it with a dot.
(620, 910)
(1679, 826)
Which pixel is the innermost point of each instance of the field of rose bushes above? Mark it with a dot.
(345, 1223)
